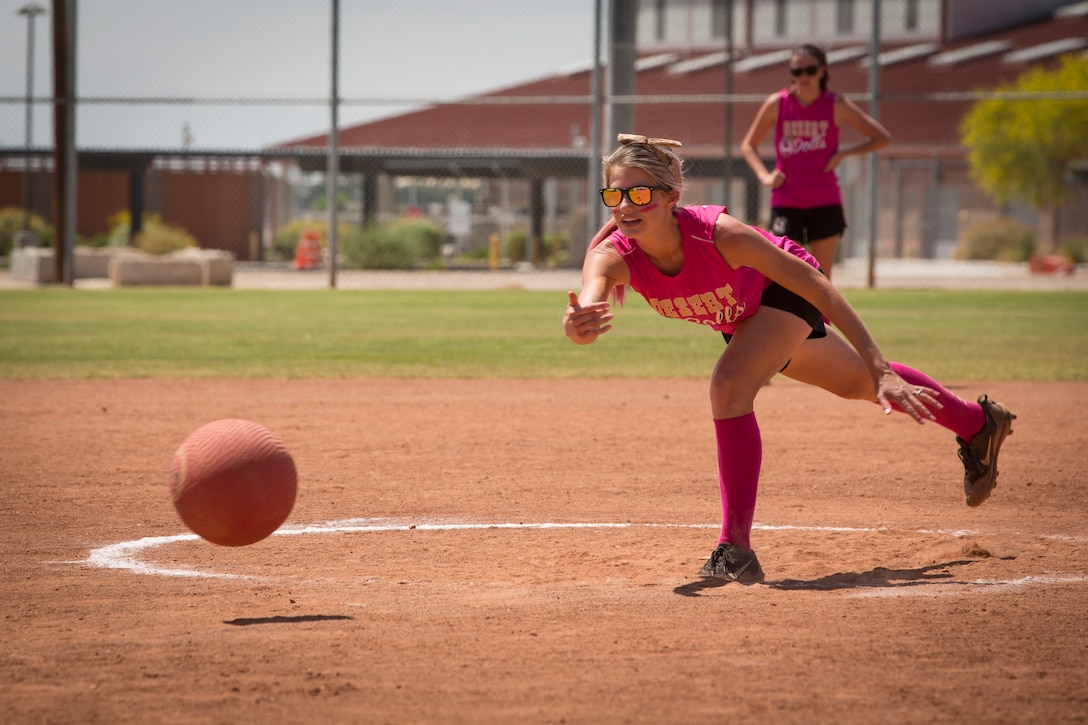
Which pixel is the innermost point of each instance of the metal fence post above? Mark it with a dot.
(874, 111)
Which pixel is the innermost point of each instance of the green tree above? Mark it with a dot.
(1023, 150)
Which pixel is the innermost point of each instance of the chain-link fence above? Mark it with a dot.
(465, 130)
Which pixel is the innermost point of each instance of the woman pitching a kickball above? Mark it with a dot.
(768, 297)
(806, 202)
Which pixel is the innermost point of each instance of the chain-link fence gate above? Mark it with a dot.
(465, 131)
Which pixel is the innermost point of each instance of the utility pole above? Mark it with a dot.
(621, 69)
(332, 179)
(65, 161)
(874, 111)
(593, 166)
(29, 11)
(728, 140)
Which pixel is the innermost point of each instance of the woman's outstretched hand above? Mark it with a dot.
(915, 401)
(585, 324)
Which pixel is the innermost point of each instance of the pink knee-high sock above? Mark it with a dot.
(740, 455)
(963, 418)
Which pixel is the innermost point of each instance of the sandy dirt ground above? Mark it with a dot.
(526, 551)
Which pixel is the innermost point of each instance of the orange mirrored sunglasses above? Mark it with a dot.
(637, 195)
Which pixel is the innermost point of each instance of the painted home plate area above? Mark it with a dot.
(526, 551)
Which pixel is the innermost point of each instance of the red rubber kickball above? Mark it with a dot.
(233, 482)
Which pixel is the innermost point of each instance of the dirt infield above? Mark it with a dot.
(525, 551)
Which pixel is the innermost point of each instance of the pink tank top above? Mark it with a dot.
(805, 139)
(706, 290)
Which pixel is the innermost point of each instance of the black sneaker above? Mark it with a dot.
(734, 563)
(980, 455)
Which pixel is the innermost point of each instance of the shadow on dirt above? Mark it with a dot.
(246, 621)
(878, 577)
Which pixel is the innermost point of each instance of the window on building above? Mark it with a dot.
(844, 11)
(779, 18)
(911, 21)
(718, 18)
(659, 19)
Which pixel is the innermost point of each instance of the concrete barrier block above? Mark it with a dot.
(94, 262)
(192, 267)
(36, 263)
(217, 265)
(33, 264)
(136, 271)
(125, 266)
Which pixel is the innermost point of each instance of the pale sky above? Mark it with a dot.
(389, 49)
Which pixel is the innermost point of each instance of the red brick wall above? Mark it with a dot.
(222, 210)
(215, 208)
(100, 195)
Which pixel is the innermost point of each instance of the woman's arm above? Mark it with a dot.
(763, 122)
(876, 136)
(741, 245)
(588, 314)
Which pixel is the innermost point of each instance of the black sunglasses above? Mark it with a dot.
(637, 195)
(810, 70)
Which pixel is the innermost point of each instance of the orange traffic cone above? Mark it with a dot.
(1050, 264)
(308, 250)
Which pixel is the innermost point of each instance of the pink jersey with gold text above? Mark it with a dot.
(805, 139)
(706, 291)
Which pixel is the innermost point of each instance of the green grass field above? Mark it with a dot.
(177, 333)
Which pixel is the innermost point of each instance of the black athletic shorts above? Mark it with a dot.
(780, 298)
(806, 225)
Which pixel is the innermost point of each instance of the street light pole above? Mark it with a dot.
(30, 10)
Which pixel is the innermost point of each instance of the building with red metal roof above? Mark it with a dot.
(929, 76)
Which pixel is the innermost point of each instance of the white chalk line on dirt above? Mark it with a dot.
(123, 555)
(931, 589)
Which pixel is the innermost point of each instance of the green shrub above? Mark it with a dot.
(553, 249)
(516, 245)
(426, 236)
(159, 238)
(476, 254)
(381, 246)
(1075, 250)
(155, 237)
(98, 241)
(1005, 240)
(11, 222)
(119, 225)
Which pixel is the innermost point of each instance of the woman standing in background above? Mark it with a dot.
(806, 202)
